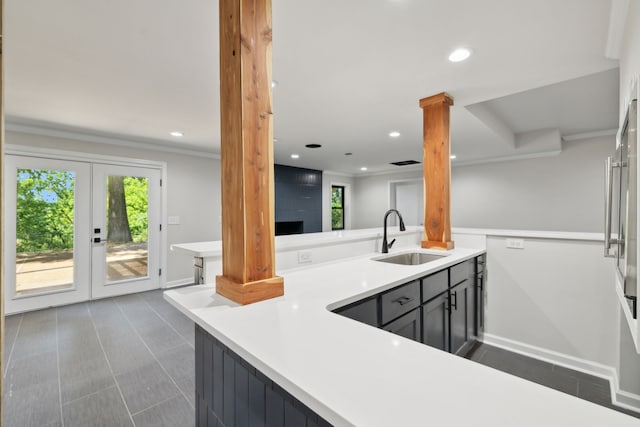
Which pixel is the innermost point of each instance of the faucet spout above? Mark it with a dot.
(386, 245)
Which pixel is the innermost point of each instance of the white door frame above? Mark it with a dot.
(53, 154)
(80, 289)
(100, 287)
(392, 193)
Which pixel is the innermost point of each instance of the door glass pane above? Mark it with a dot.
(127, 227)
(44, 229)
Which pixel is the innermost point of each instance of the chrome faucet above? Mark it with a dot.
(386, 246)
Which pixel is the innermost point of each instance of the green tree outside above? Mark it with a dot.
(45, 209)
(337, 208)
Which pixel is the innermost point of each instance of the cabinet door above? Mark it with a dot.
(363, 311)
(461, 320)
(435, 322)
(479, 304)
(407, 326)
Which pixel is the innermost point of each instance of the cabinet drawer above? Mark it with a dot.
(461, 272)
(434, 285)
(400, 300)
(362, 311)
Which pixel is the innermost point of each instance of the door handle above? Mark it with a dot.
(98, 240)
(608, 201)
(403, 300)
(454, 301)
(608, 204)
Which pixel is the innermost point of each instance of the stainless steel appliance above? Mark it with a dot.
(621, 206)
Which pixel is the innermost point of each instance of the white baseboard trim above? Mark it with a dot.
(622, 398)
(619, 397)
(179, 282)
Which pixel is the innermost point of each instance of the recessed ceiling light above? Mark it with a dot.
(295, 156)
(363, 168)
(274, 83)
(452, 157)
(459, 55)
(394, 134)
(176, 133)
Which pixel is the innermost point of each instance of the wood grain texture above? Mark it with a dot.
(437, 171)
(248, 254)
(248, 293)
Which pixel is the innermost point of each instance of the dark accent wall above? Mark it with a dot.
(230, 392)
(298, 196)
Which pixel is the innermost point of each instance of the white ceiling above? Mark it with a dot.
(349, 72)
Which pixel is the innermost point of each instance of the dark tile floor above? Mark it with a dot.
(584, 386)
(130, 361)
(115, 362)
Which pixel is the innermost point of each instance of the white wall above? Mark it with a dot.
(560, 193)
(193, 192)
(329, 179)
(554, 295)
(629, 53)
(371, 197)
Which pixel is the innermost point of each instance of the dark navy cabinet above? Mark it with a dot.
(435, 323)
(230, 392)
(461, 302)
(400, 300)
(407, 326)
(365, 311)
(480, 294)
(444, 310)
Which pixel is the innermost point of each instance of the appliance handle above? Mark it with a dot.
(608, 201)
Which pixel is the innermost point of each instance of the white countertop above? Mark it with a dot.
(354, 374)
(298, 241)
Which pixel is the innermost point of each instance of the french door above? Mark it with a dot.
(77, 230)
(125, 233)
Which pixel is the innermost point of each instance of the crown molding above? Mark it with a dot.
(348, 175)
(507, 158)
(589, 135)
(84, 136)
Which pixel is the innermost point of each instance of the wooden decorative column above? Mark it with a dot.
(248, 259)
(437, 171)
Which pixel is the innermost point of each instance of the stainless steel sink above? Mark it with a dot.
(410, 258)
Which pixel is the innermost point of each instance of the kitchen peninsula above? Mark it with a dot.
(349, 373)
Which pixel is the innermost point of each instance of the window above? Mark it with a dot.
(337, 207)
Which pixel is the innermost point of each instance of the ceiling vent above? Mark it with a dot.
(405, 163)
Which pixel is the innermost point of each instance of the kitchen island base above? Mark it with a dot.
(231, 392)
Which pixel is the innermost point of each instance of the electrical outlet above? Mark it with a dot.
(304, 257)
(515, 243)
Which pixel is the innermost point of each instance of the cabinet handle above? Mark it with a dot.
(403, 300)
(454, 305)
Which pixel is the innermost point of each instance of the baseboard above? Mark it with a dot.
(180, 282)
(622, 398)
(619, 397)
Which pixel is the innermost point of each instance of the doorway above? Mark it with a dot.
(407, 197)
(79, 230)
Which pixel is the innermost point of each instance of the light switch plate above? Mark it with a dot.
(515, 243)
(173, 220)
